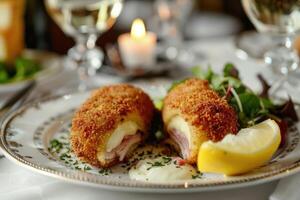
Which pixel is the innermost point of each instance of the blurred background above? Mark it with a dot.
(171, 35)
(208, 19)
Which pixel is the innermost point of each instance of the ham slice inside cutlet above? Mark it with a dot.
(122, 149)
(124, 137)
(181, 140)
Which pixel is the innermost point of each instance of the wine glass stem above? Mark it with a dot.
(87, 41)
(283, 57)
(83, 77)
(284, 60)
(85, 45)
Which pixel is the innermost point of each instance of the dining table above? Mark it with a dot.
(17, 182)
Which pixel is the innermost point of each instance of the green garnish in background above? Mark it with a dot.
(250, 107)
(21, 69)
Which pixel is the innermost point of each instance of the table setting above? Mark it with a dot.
(173, 99)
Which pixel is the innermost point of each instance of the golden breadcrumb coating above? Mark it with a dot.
(209, 116)
(97, 118)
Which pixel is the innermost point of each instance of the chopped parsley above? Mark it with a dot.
(105, 172)
(197, 175)
(60, 148)
(55, 146)
(164, 161)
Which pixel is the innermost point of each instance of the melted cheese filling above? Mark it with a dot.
(181, 126)
(123, 129)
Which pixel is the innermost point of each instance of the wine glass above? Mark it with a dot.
(84, 20)
(171, 16)
(280, 19)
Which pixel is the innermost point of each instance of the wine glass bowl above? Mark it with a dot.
(85, 21)
(279, 19)
(274, 16)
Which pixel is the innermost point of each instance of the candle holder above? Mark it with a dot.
(137, 55)
(162, 67)
(137, 48)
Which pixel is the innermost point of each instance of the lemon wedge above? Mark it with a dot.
(236, 154)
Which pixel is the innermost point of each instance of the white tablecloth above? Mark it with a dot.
(19, 183)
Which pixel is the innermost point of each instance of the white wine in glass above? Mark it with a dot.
(84, 16)
(85, 20)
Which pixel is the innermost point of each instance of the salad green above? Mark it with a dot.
(21, 69)
(251, 108)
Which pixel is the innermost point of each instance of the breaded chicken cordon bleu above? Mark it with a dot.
(194, 113)
(111, 124)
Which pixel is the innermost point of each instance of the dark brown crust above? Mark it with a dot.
(95, 120)
(203, 108)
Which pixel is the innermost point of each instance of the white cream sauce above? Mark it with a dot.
(161, 169)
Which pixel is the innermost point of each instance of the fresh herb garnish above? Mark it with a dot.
(197, 175)
(55, 146)
(21, 69)
(231, 71)
(105, 172)
(250, 107)
(166, 159)
(60, 148)
(160, 163)
(158, 103)
(86, 168)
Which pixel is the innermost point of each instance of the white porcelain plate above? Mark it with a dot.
(36, 137)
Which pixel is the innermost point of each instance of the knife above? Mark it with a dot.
(18, 98)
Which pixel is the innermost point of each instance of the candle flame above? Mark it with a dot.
(138, 29)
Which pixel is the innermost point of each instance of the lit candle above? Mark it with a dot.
(138, 47)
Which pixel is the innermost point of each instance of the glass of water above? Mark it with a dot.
(84, 20)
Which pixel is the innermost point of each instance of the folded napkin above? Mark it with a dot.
(287, 189)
